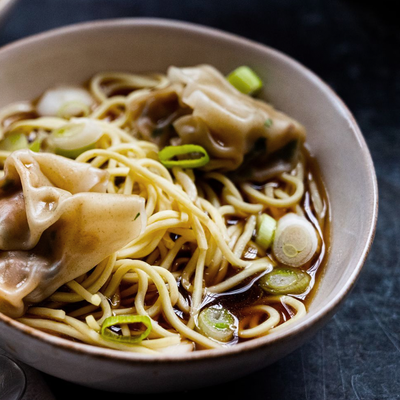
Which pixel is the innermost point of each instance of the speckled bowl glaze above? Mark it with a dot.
(72, 55)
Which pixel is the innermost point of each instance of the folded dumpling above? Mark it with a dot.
(238, 124)
(155, 111)
(56, 223)
(240, 133)
(236, 119)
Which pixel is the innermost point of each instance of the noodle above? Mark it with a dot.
(197, 244)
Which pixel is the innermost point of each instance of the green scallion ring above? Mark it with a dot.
(217, 323)
(167, 154)
(266, 226)
(245, 80)
(35, 145)
(125, 319)
(285, 280)
(14, 141)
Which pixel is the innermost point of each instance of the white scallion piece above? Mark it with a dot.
(72, 139)
(296, 240)
(56, 99)
(266, 226)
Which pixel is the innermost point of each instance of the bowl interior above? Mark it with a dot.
(73, 55)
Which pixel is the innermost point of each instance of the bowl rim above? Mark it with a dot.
(254, 344)
(6, 5)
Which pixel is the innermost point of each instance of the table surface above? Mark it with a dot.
(353, 46)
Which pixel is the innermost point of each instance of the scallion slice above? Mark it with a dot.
(76, 137)
(167, 154)
(217, 323)
(266, 226)
(245, 80)
(35, 145)
(14, 141)
(284, 280)
(74, 108)
(296, 240)
(134, 338)
(54, 99)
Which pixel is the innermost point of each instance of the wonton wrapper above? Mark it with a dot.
(234, 119)
(56, 223)
(155, 111)
(205, 109)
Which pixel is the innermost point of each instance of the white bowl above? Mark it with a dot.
(73, 54)
(5, 8)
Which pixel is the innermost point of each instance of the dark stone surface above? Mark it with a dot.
(355, 47)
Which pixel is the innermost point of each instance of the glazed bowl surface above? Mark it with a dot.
(75, 53)
(5, 8)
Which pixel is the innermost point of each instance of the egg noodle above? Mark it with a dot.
(198, 243)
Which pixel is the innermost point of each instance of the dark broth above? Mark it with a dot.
(249, 292)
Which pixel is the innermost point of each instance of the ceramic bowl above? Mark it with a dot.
(72, 55)
(5, 8)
